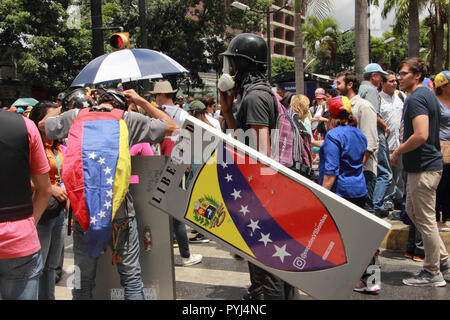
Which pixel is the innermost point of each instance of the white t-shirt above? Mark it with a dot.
(391, 110)
(214, 122)
(178, 115)
(316, 114)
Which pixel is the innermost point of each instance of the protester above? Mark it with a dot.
(210, 104)
(27, 111)
(373, 75)
(164, 94)
(140, 129)
(22, 158)
(59, 98)
(422, 161)
(347, 84)
(341, 162)
(442, 81)
(300, 105)
(318, 119)
(51, 225)
(342, 153)
(391, 110)
(245, 62)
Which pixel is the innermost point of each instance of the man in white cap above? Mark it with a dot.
(373, 75)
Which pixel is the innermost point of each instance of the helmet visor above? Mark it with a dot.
(229, 66)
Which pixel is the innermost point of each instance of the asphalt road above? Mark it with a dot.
(221, 277)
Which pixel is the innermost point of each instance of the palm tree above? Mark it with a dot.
(361, 36)
(320, 37)
(407, 14)
(318, 8)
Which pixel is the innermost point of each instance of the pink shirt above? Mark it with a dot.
(19, 238)
(140, 149)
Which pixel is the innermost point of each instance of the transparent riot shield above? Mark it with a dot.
(155, 240)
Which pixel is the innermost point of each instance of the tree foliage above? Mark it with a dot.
(34, 36)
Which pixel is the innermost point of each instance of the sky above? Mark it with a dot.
(344, 13)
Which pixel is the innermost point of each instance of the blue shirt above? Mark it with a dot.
(341, 155)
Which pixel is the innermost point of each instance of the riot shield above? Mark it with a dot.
(155, 240)
(267, 213)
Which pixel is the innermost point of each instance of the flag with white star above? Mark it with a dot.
(270, 217)
(99, 167)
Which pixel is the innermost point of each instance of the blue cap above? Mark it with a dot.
(374, 67)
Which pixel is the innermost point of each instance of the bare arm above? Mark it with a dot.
(420, 136)
(384, 126)
(262, 139)
(226, 101)
(328, 181)
(153, 112)
(41, 195)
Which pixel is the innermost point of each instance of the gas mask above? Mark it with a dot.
(226, 82)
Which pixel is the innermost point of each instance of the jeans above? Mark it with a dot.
(370, 185)
(19, 277)
(129, 268)
(179, 230)
(414, 245)
(397, 190)
(51, 236)
(384, 176)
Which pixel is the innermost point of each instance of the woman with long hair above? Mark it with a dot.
(51, 225)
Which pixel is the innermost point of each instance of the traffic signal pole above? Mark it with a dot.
(97, 32)
(143, 24)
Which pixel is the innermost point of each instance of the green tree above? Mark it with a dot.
(407, 18)
(314, 8)
(282, 65)
(35, 35)
(321, 38)
(192, 32)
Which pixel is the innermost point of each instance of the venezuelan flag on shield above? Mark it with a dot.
(97, 173)
(264, 214)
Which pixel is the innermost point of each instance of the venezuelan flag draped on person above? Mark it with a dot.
(97, 173)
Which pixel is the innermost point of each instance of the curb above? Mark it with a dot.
(397, 237)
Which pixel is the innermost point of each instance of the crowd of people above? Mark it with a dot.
(381, 143)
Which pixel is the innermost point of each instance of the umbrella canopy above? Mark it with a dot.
(24, 102)
(127, 65)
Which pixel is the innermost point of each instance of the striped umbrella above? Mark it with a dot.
(127, 65)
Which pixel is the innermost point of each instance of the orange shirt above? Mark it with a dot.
(55, 162)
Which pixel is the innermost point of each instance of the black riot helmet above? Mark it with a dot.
(77, 99)
(114, 96)
(246, 51)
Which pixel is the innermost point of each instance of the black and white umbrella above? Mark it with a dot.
(127, 65)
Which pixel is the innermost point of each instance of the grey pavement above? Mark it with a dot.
(221, 277)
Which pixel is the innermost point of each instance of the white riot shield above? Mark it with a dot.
(155, 240)
(267, 213)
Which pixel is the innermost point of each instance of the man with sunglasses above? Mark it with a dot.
(422, 161)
